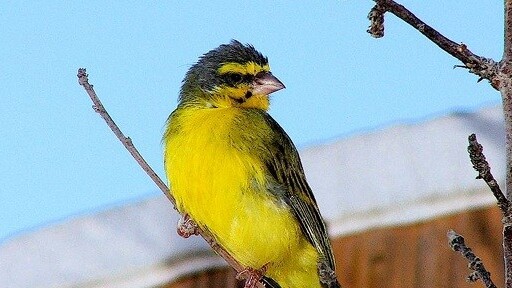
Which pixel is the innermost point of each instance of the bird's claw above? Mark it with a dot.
(187, 227)
(252, 276)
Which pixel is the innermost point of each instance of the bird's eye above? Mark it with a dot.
(234, 78)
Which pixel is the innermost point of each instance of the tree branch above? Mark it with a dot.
(505, 79)
(484, 172)
(506, 91)
(456, 241)
(127, 142)
(500, 77)
(481, 165)
(485, 68)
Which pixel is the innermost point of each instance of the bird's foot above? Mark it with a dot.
(252, 276)
(187, 226)
(327, 275)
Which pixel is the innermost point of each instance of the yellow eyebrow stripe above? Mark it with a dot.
(246, 68)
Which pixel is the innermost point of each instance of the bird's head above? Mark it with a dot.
(232, 75)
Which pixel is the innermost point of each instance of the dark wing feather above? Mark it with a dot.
(270, 283)
(286, 169)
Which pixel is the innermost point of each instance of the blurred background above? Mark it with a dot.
(61, 163)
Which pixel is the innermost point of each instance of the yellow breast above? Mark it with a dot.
(222, 186)
(214, 162)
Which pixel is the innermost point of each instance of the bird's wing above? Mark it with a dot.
(286, 169)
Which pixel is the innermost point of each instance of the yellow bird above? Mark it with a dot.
(237, 174)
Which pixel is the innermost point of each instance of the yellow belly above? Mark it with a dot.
(224, 189)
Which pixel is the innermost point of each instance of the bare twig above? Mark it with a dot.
(376, 17)
(127, 142)
(456, 241)
(505, 87)
(485, 68)
(481, 165)
(499, 74)
(484, 172)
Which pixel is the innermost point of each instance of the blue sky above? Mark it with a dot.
(60, 160)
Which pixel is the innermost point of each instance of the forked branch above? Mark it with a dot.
(499, 74)
(485, 68)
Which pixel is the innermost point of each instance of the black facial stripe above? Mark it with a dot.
(234, 79)
(238, 100)
(248, 78)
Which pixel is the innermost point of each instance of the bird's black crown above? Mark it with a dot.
(203, 74)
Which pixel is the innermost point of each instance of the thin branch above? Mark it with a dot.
(499, 74)
(481, 165)
(505, 78)
(485, 68)
(127, 142)
(456, 241)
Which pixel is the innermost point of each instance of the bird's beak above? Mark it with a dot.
(265, 83)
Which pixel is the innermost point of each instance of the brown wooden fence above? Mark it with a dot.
(412, 256)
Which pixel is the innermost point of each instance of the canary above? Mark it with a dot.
(236, 173)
